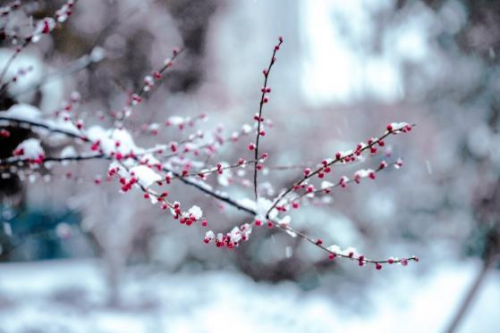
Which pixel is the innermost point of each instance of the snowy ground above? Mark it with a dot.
(69, 296)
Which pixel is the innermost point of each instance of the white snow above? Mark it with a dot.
(70, 296)
(31, 148)
(246, 128)
(108, 139)
(398, 126)
(176, 120)
(334, 248)
(23, 60)
(196, 212)
(145, 176)
(260, 207)
(22, 111)
(68, 151)
(235, 234)
(326, 184)
(363, 173)
(97, 54)
(225, 178)
(209, 235)
(263, 206)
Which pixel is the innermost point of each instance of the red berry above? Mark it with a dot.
(4, 133)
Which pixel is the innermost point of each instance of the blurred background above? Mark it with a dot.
(81, 257)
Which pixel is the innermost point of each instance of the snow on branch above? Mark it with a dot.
(150, 170)
(43, 27)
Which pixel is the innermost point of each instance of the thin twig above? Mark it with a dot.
(337, 159)
(27, 41)
(263, 100)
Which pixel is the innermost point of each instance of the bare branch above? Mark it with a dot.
(263, 100)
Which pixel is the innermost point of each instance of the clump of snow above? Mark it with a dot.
(196, 212)
(344, 153)
(145, 176)
(334, 249)
(263, 206)
(154, 126)
(260, 207)
(398, 126)
(113, 140)
(235, 235)
(22, 111)
(326, 184)
(175, 120)
(97, 54)
(248, 203)
(31, 149)
(209, 236)
(68, 151)
(363, 173)
(62, 125)
(246, 128)
(350, 251)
